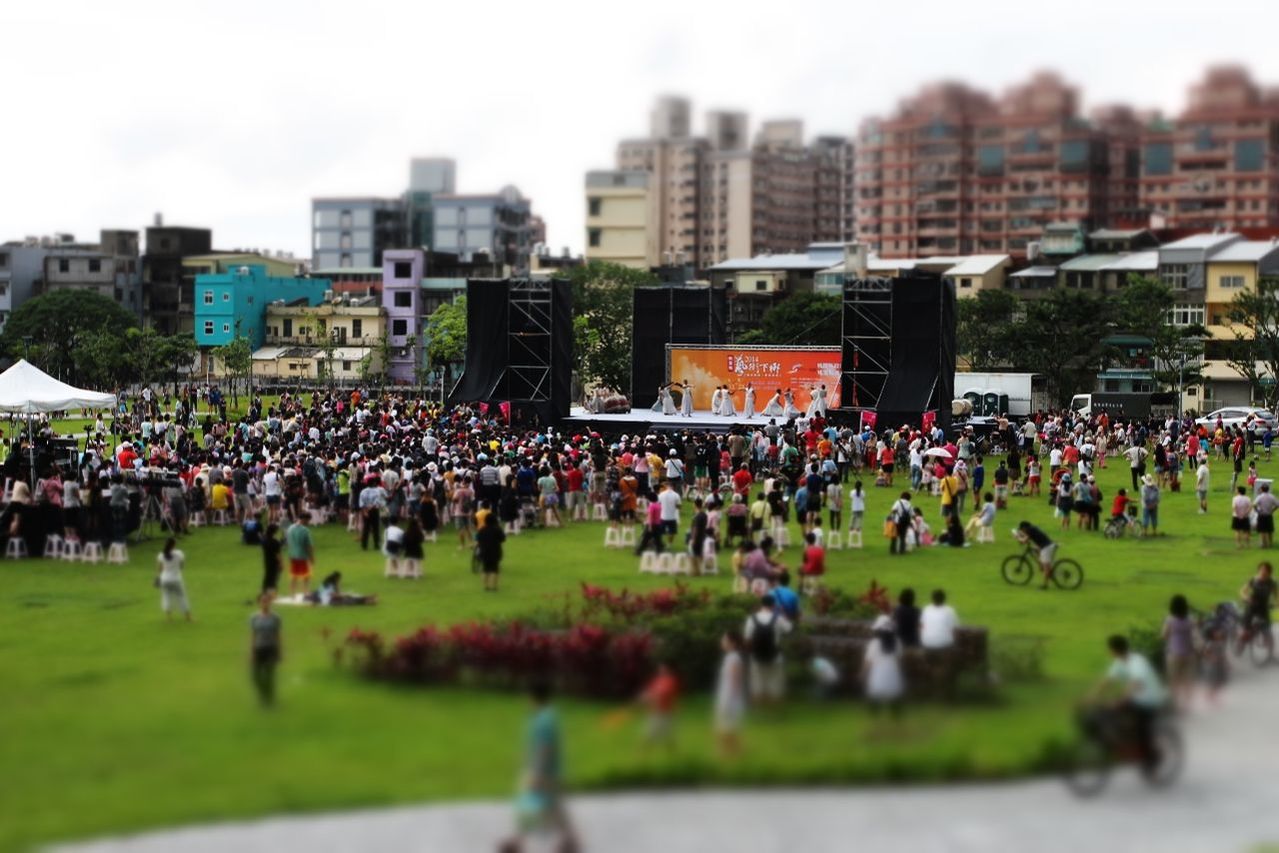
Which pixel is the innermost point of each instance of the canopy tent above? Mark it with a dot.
(26, 389)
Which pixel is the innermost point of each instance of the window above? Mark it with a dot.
(95, 265)
(761, 285)
(64, 265)
(226, 296)
(593, 206)
(990, 160)
(1175, 275)
(4, 260)
(346, 365)
(1158, 158)
(357, 328)
(345, 260)
(965, 282)
(208, 297)
(403, 269)
(1250, 155)
(403, 299)
(288, 327)
(1186, 315)
(208, 327)
(593, 237)
(1231, 281)
(399, 327)
(344, 219)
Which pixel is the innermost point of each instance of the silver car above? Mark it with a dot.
(1238, 416)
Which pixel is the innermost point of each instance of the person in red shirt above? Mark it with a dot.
(661, 696)
(1119, 506)
(742, 480)
(886, 457)
(574, 478)
(814, 565)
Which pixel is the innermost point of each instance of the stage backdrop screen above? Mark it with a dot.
(767, 368)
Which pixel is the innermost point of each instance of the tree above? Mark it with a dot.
(446, 333)
(1254, 353)
(237, 361)
(58, 324)
(375, 366)
(1063, 338)
(987, 330)
(808, 319)
(1142, 308)
(602, 307)
(177, 356)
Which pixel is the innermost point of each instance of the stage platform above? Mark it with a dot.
(646, 420)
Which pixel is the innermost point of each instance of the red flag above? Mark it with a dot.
(484, 409)
(868, 419)
(930, 418)
(505, 406)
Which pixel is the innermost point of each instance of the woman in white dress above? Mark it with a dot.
(173, 594)
(717, 400)
(726, 406)
(774, 408)
(668, 403)
(791, 411)
(749, 408)
(686, 399)
(881, 667)
(730, 694)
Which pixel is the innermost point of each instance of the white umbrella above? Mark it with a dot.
(940, 452)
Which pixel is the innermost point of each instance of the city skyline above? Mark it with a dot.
(242, 135)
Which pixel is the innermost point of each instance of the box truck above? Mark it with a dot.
(1125, 406)
(994, 394)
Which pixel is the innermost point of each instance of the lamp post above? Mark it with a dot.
(31, 444)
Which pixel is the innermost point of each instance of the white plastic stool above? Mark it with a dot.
(197, 519)
(854, 539)
(833, 541)
(220, 518)
(411, 569)
(683, 565)
(430, 537)
(579, 510)
(119, 554)
(71, 550)
(648, 563)
(353, 523)
(665, 564)
(599, 512)
(549, 519)
(710, 565)
(985, 534)
(628, 537)
(612, 537)
(92, 552)
(740, 586)
(392, 569)
(52, 546)
(16, 548)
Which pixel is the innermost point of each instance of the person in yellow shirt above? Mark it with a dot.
(949, 489)
(221, 498)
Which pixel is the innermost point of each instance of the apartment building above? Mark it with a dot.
(622, 219)
(1216, 166)
(353, 232)
(725, 195)
(499, 225)
(168, 300)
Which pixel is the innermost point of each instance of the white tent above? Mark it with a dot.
(26, 389)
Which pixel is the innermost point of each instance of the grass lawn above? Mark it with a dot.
(117, 721)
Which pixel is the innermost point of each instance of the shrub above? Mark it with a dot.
(1018, 657)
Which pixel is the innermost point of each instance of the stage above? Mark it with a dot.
(646, 420)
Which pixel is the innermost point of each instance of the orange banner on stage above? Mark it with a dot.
(768, 370)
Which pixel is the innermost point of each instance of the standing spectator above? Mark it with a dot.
(266, 649)
(301, 554)
(1179, 652)
(1150, 506)
(669, 502)
(1241, 518)
(371, 504)
(697, 532)
(763, 633)
(881, 667)
(488, 546)
(173, 594)
(271, 567)
(901, 516)
(730, 695)
(652, 529)
(463, 511)
(1265, 505)
(906, 619)
(1137, 463)
(1201, 485)
(413, 539)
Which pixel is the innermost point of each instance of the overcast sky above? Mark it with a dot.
(232, 115)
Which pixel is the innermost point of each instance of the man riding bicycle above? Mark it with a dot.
(1027, 532)
(1141, 696)
(1259, 595)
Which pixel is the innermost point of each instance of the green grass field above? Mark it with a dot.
(117, 721)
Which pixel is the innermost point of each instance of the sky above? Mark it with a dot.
(234, 115)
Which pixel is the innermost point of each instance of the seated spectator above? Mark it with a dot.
(938, 622)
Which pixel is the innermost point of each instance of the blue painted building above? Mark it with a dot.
(237, 300)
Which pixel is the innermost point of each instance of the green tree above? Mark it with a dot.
(1063, 338)
(177, 358)
(602, 310)
(986, 329)
(1254, 353)
(58, 324)
(807, 319)
(446, 333)
(1142, 309)
(237, 362)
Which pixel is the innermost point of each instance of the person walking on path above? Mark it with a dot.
(540, 803)
(301, 554)
(881, 667)
(730, 695)
(266, 649)
(763, 633)
(173, 594)
(1178, 634)
(488, 546)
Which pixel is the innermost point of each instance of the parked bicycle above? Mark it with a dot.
(1258, 639)
(1108, 739)
(1020, 568)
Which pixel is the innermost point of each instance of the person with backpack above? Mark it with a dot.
(900, 518)
(767, 671)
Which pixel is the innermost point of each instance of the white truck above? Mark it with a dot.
(993, 394)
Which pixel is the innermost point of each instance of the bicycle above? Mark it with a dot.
(1256, 635)
(1108, 739)
(1020, 568)
(1123, 525)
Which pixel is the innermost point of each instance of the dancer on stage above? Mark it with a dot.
(726, 406)
(686, 400)
(749, 408)
(774, 408)
(819, 401)
(717, 398)
(791, 411)
(665, 399)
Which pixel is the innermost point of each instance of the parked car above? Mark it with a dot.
(1238, 416)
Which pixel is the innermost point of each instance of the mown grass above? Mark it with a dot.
(117, 721)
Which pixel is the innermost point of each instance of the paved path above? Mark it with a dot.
(1227, 800)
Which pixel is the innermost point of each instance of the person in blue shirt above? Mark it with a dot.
(978, 475)
(784, 598)
(540, 803)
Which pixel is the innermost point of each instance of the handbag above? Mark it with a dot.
(890, 528)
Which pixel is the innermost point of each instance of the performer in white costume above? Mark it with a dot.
(749, 408)
(820, 400)
(726, 406)
(717, 397)
(774, 408)
(791, 411)
(686, 400)
(668, 403)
